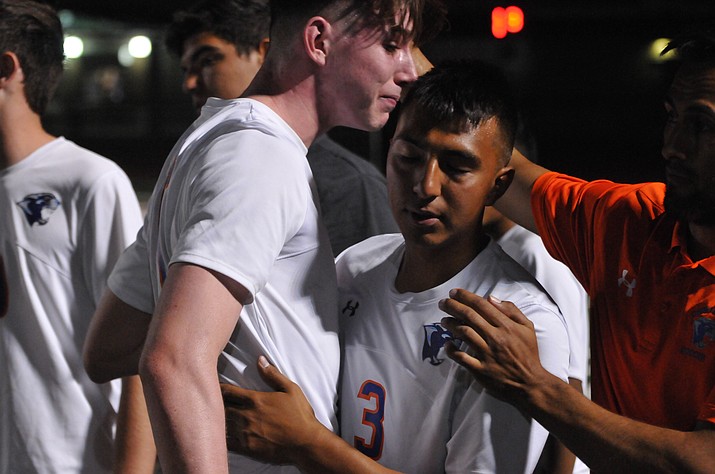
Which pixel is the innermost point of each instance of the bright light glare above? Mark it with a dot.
(656, 47)
(73, 47)
(139, 47)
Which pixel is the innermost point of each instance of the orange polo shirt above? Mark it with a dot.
(652, 307)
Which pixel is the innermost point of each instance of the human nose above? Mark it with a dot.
(675, 142)
(190, 81)
(427, 182)
(406, 71)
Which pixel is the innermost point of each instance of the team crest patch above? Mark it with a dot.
(703, 327)
(435, 337)
(39, 207)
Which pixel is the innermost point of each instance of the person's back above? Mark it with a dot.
(221, 45)
(69, 214)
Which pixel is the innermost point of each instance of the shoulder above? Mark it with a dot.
(645, 199)
(368, 254)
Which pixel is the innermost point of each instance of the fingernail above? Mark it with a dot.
(263, 362)
(452, 292)
(494, 299)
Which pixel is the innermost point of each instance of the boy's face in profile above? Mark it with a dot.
(440, 180)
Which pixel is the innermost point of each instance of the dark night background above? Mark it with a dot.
(590, 94)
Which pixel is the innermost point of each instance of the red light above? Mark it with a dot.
(507, 20)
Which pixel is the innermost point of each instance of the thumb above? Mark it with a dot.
(272, 376)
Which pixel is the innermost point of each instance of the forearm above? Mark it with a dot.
(114, 340)
(516, 201)
(186, 414)
(329, 453)
(134, 451)
(610, 443)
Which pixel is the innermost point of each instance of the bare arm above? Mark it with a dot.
(195, 316)
(280, 427)
(115, 339)
(516, 201)
(134, 449)
(507, 363)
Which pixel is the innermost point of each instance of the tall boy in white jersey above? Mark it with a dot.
(67, 214)
(402, 402)
(233, 229)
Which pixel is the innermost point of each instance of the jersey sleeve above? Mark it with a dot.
(131, 279)
(248, 198)
(110, 222)
(489, 435)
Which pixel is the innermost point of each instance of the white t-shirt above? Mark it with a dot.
(68, 214)
(236, 196)
(402, 401)
(528, 250)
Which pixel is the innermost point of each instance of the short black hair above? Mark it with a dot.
(459, 95)
(32, 30)
(694, 47)
(243, 23)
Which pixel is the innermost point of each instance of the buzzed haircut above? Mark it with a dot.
(32, 30)
(243, 23)
(460, 95)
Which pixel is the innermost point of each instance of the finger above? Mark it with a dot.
(484, 306)
(236, 396)
(469, 315)
(469, 362)
(510, 310)
(465, 333)
(273, 377)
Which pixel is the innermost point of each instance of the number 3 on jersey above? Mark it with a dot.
(4, 295)
(372, 418)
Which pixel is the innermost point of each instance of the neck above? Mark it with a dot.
(291, 96)
(701, 241)
(21, 133)
(423, 268)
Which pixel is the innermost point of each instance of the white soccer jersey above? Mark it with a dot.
(402, 401)
(67, 215)
(528, 250)
(236, 196)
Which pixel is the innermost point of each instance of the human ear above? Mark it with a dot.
(316, 39)
(9, 65)
(502, 181)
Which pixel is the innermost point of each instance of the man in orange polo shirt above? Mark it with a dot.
(645, 254)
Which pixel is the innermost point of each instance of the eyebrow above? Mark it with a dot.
(418, 143)
(201, 50)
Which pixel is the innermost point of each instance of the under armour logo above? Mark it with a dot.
(629, 284)
(350, 307)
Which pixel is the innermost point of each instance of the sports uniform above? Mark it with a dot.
(403, 402)
(528, 250)
(68, 214)
(653, 322)
(236, 196)
(352, 192)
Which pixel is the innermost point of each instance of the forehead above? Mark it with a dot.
(694, 83)
(484, 140)
(204, 41)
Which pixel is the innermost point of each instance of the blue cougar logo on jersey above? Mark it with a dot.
(39, 207)
(435, 337)
(703, 327)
